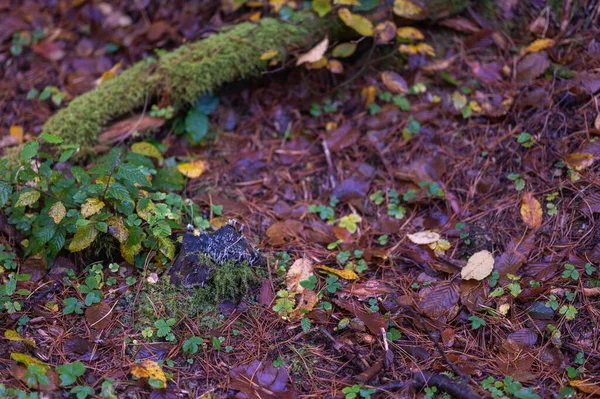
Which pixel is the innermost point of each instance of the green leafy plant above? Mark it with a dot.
(192, 344)
(518, 181)
(82, 391)
(356, 391)
(163, 328)
(570, 272)
(526, 140)
(477, 322)
(70, 372)
(284, 304)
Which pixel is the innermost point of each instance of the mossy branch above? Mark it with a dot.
(183, 74)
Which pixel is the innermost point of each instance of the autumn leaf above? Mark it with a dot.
(421, 48)
(83, 238)
(579, 160)
(344, 50)
(335, 66)
(268, 55)
(149, 369)
(479, 266)
(394, 82)
(531, 211)
(407, 9)
(424, 237)
(538, 45)
(117, 229)
(368, 93)
(385, 31)
(28, 360)
(110, 73)
(192, 169)
(12, 335)
(346, 274)
(300, 270)
(57, 212)
(17, 132)
(146, 149)
(586, 386)
(409, 33)
(357, 22)
(347, 2)
(28, 198)
(315, 54)
(91, 206)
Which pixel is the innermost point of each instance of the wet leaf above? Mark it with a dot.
(579, 160)
(424, 237)
(439, 302)
(149, 369)
(28, 360)
(346, 274)
(146, 149)
(315, 54)
(99, 315)
(306, 302)
(321, 7)
(57, 212)
(262, 380)
(83, 238)
(193, 169)
(344, 50)
(407, 9)
(357, 22)
(300, 270)
(531, 66)
(280, 232)
(91, 206)
(394, 82)
(409, 33)
(538, 45)
(479, 266)
(28, 198)
(12, 335)
(531, 211)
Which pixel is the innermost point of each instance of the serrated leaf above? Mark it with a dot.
(5, 191)
(133, 174)
(479, 266)
(344, 50)
(51, 138)
(357, 22)
(531, 211)
(118, 192)
(29, 151)
(91, 206)
(83, 238)
(346, 274)
(166, 247)
(57, 212)
(146, 149)
(144, 208)
(314, 54)
(28, 198)
(117, 229)
(192, 169)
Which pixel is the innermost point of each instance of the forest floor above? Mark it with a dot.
(492, 148)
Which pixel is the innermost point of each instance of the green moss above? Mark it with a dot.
(230, 281)
(182, 75)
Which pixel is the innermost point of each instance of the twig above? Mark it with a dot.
(457, 390)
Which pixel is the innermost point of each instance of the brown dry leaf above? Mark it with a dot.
(394, 82)
(424, 237)
(36, 267)
(538, 45)
(57, 212)
(99, 315)
(408, 10)
(440, 302)
(409, 33)
(357, 22)
(531, 211)
(16, 131)
(588, 387)
(315, 54)
(91, 206)
(192, 169)
(596, 122)
(123, 129)
(307, 301)
(149, 369)
(335, 66)
(531, 66)
(579, 160)
(110, 73)
(478, 267)
(368, 289)
(346, 274)
(300, 270)
(280, 232)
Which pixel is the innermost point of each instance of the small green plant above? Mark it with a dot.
(518, 181)
(350, 222)
(570, 272)
(72, 305)
(569, 311)
(383, 240)
(82, 391)
(514, 287)
(163, 113)
(195, 126)
(163, 328)
(357, 391)
(52, 93)
(508, 388)
(526, 140)
(70, 372)
(20, 40)
(284, 304)
(477, 322)
(192, 344)
(333, 285)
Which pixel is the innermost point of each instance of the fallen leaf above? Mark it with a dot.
(17, 132)
(346, 274)
(36, 267)
(440, 302)
(12, 335)
(268, 55)
(478, 267)
(421, 48)
(538, 45)
(99, 315)
(596, 122)
(335, 66)
(368, 93)
(588, 387)
(357, 22)
(579, 160)
(531, 66)
(315, 54)
(407, 9)
(91, 206)
(28, 198)
(531, 211)
(306, 302)
(300, 270)
(110, 73)
(385, 32)
(280, 232)
(117, 229)
(394, 82)
(262, 380)
(57, 212)
(149, 369)
(193, 169)
(424, 237)
(409, 33)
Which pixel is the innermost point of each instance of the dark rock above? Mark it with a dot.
(200, 255)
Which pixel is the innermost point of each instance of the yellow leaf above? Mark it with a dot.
(117, 229)
(110, 73)
(166, 247)
(277, 4)
(344, 50)
(129, 251)
(531, 211)
(28, 361)
(474, 106)
(321, 7)
(346, 274)
(347, 2)
(300, 270)
(255, 17)
(335, 66)
(579, 160)
(146, 149)
(12, 335)
(409, 33)
(17, 132)
(322, 63)
(57, 212)
(91, 206)
(149, 369)
(421, 48)
(83, 238)
(588, 387)
(394, 82)
(440, 247)
(538, 45)
(368, 93)
(479, 266)
(357, 22)
(407, 9)
(104, 180)
(218, 222)
(424, 237)
(459, 100)
(315, 54)
(386, 32)
(145, 212)
(268, 55)
(192, 169)
(28, 198)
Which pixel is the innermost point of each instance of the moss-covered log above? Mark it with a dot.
(184, 74)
